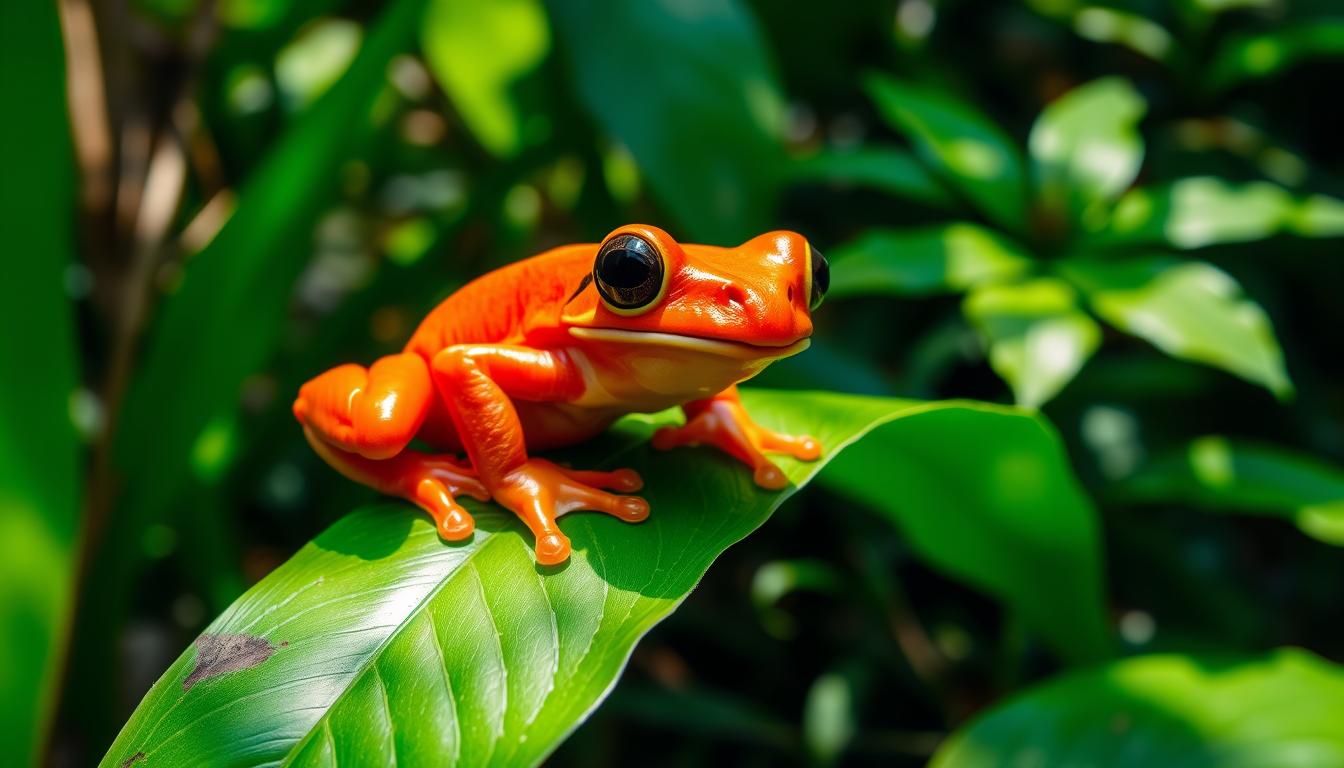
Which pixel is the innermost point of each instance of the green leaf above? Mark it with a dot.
(986, 497)
(959, 142)
(1259, 56)
(1191, 310)
(379, 640)
(1204, 210)
(688, 88)
(40, 461)
(1219, 473)
(1085, 147)
(1282, 709)
(940, 259)
(886, 169)
(224, 321)
(479, 52)
(1038, 337)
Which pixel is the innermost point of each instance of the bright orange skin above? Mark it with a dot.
(517, 359)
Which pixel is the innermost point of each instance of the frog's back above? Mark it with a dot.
(500, 306)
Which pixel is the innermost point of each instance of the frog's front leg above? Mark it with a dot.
(722, 422)
(478, 383)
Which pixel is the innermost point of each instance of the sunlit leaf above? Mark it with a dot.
(378, 640)
(959, 142)
(886, 169)
(1258, 56)
(40, 465)
(1282, 709)
(1085, 147)
(310, 65)
(1219, 473)
(1191, 310)
(829, 719)
(689, 89)
(1010, 520)
(1201, 211)
(479, 52)
(1038, 337)
(947, 258)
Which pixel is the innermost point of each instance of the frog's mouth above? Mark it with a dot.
(719, 347)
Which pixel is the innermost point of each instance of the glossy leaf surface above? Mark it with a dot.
(1038, 336)
(679, 85)
(1253, 57)
(1191, 310)
(1202, 211)
(941, 259)
(39, 450)
(1282, 709)
(1219, 473)
(378, 640)
(965, 146)
(479, 52)
(1085, 147)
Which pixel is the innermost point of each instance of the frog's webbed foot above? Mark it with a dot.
(539, 492)
(722, 422)
(432, 482)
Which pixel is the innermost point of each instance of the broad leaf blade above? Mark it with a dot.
(1282, 709)
(1191, 310)
(1085, 147)
(1203, 210)
(961, 143)
(690, 91)
(913, 262)
(1219, 473)
(479, 52)
(39, 450)
(886, 169)
(1038, 336)
(985, 496)
(378, 639)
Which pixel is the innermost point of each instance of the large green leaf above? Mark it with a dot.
(1191, 310)
(1274, 711)
(39, 451)
(1086, 148)
(1038, 336)
(1204, 210)
(940, 259)
(961, 143)
(378, 640)
(1219, 473)
(689, 89)
(479, 52)
(986, 497)
(886, 169)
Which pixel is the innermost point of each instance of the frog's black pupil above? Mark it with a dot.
(628, 272)
(821, 279)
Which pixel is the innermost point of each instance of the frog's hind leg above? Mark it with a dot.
(360, 421)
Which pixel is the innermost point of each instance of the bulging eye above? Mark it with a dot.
(821, 279)
(629, 274)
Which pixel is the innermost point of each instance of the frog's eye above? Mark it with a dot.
(629, 274)
(821, 278)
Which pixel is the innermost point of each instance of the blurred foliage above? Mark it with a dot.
(1125, 216)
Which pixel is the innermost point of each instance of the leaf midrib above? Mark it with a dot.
(392, 636)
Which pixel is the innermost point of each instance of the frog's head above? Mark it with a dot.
(754, 300)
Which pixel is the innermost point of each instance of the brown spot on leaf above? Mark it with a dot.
(130, 760)
(284, 644)
(221, 654)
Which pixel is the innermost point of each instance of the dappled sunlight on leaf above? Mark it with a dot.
(951, 257)
(1191, 310)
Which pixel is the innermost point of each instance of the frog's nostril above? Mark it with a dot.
(790, 294)
(733, 295)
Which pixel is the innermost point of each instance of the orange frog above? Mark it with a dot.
(550, 351)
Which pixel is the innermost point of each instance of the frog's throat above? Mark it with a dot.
(731, 349)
